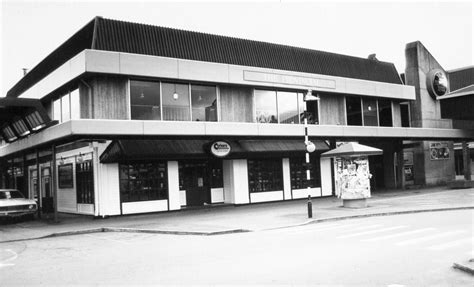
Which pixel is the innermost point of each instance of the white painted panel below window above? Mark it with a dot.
(266, 196)
(182, 197)
(144, 206)
(217, 195)
(85, 209)
(303, 193)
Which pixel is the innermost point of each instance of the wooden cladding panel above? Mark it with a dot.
(84, 101)
(332, 110)
(109, 96)
(236, 104)
(396, 114)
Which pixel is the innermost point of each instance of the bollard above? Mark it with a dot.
(310, 207)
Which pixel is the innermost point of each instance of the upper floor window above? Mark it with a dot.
(172, 101)
(204, 103)
(176, 105)
(354, 111)
(385, 113)
(67, 107)
(266, 106)
(368, 112)
(284, 108)
(145, 100)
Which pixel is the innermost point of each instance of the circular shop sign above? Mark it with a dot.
(437, 83)
(220, 148)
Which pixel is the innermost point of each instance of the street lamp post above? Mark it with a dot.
(310, 147)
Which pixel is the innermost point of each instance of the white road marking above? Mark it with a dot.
(4, 262)
(398, 234)
(427, 238)
(371, 231)
(451, 244)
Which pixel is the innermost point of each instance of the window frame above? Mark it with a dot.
(253, 181)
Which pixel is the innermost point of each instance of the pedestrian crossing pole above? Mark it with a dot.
(310, 147)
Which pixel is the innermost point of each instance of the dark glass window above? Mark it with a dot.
(265, 175)
(145, 100)
(298, 173)
(204, 103)
(370, 112)
(354, 113)
(85, 182)
(143, 181)
(405, 115)
(266, 106)
(176, 106)
(385, 113)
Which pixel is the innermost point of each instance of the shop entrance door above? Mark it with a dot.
(194, 178)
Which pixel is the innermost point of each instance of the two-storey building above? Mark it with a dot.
(129, 118)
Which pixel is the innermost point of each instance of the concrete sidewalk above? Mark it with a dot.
(228, 218)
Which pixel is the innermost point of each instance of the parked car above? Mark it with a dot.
(14, 204)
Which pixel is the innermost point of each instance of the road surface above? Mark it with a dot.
(402, 250)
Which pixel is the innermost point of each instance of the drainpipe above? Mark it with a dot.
(95, 159)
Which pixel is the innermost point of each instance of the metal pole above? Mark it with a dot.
(308, 175)
(53, 183)
(38, 187)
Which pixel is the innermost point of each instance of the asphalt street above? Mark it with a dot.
(400, 250)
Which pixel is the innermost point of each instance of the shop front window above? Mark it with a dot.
(266, 106)
(85, 182)
(298, 173)
(204, 103)
(145, 100)
(265, 175)
(143, 181)
(176, 106)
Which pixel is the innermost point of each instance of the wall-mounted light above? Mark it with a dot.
(369, 107)
(175, 94)
(80, 158)
(309, 97)
(61, 161)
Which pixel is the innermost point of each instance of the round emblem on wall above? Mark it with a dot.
(220, 148)
(437, 83)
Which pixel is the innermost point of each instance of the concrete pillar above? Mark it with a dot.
(326, 176)
(466, 160)
(286, 179)
(236, 183)
(173, 186)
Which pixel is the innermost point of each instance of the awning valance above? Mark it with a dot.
(145, 150)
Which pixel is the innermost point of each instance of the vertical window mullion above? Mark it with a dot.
(161, 101)
(362, 111)
(378, 112)
(190, 103)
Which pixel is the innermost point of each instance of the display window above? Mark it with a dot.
(265, 175)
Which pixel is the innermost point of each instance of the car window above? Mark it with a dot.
(16, 194)
(3, 195)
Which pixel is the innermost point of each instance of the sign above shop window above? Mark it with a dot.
(289, 80)
(220, 148)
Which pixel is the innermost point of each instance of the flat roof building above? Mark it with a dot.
(131, 118)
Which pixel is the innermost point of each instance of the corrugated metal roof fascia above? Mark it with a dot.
(461, 78)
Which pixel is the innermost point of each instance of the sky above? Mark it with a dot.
(30, 30)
